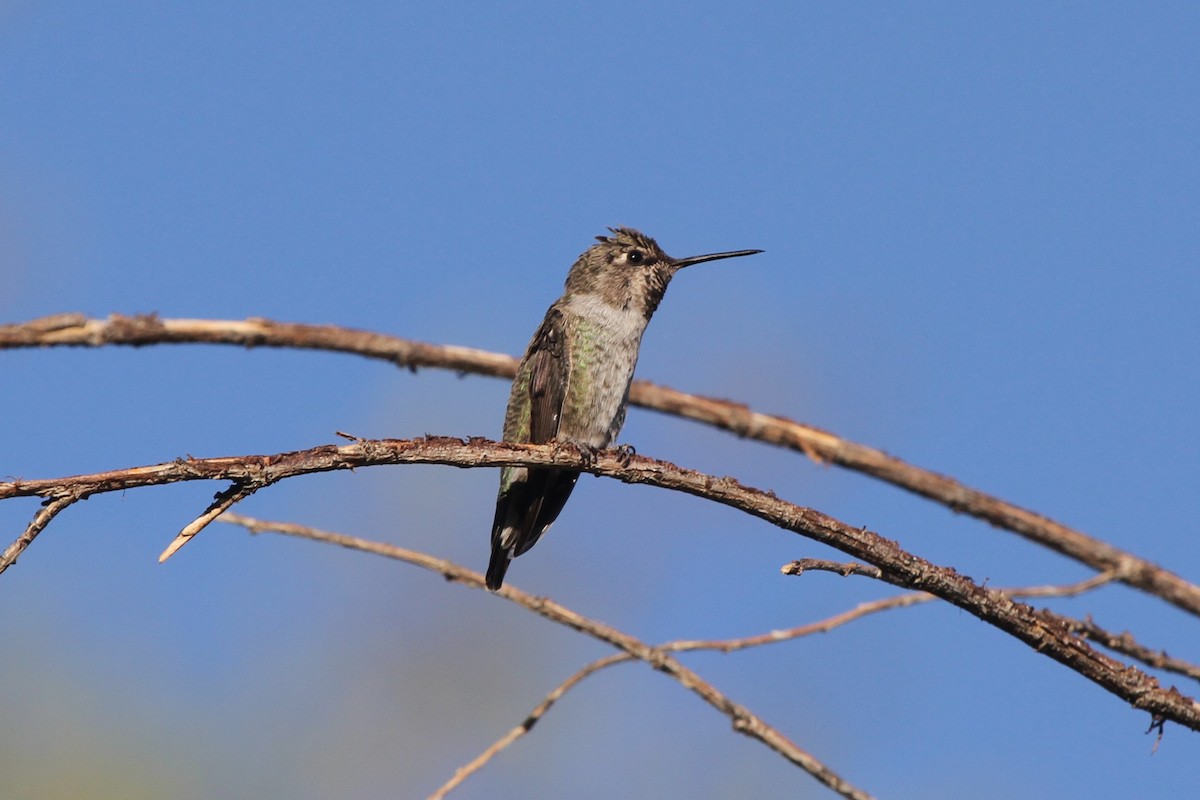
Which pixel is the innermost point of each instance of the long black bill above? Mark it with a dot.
(687, 262)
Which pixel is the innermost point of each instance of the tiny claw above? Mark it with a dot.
(625, 453)
(587, 453)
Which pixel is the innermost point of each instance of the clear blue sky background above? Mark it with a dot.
(982, 248)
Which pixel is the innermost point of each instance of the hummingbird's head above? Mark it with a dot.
(629, 269)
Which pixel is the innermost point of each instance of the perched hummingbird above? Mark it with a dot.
(573, 383)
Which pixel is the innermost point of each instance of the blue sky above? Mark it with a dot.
(981, 239)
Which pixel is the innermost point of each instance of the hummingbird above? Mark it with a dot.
(572, 384)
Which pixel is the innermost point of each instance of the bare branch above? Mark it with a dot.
(77, 330)
(41, 519)
(1046, 632)
(744, 721)
(800, 566)
(726, 645)
(477, 763)
(1123, 643)
(221, 503)
(723, 645)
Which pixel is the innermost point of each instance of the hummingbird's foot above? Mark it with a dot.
(625, 452)
(586, 452)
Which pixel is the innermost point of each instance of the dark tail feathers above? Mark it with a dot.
(497, 567)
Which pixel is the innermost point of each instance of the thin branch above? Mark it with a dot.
(803, 565)
(1044, 631)
(77, 330)
(744, 721)
(221, 503)
(1123, 643)
(866, 609)
(480, 761)
(49, 510)
(724, 645)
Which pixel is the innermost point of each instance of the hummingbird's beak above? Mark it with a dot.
(680, 263)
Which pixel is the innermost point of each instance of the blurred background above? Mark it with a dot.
(982, 245)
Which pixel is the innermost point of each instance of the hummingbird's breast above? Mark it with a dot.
(603, 343)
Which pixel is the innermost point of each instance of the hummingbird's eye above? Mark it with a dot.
(635, 257)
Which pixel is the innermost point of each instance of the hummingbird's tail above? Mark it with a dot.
(501, 556)
(525, 509)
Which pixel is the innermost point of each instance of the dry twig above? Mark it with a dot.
(1123, 643)
(744, 721)
(724, 645)
(221, 503)
(494, 749)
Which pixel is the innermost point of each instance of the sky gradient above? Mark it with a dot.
(981, 239)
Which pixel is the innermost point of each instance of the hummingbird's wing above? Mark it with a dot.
(530, 499)
(549, 372)
(546, 490)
